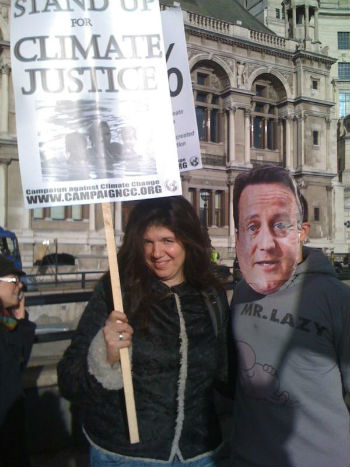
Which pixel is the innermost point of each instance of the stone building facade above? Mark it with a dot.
(255, 103)
(326, 22)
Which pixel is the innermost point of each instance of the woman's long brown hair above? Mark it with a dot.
(178, 215)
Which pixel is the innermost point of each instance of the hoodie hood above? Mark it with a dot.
(314, 261)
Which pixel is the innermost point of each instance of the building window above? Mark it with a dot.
(61, 213)
(77, 212)
(300, 14)
(260, 90)
(205, 206)
(314, 84)
(316, 214)
(264, 118)
(315, 136)
(344, 40)
(38, 213)
(219, 211)
(283, 13)
(202, 78)
(344, 70)
(278, 13)
(58, 213)
(344, 104)
(208, 103)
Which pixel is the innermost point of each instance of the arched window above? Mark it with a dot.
(207, 87)
(265, 124)
(264, 114)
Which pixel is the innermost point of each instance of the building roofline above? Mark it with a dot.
(244, 43)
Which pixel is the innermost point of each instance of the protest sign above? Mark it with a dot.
(93, 113)
(184, 115)
(92, 102)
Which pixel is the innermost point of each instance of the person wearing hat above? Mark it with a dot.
(16, 340)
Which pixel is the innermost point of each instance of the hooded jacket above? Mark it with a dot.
(175, 364)
(294, 366)
(15, 348)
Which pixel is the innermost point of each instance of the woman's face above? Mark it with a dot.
(164, 254)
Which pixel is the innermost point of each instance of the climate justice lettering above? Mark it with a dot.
(38, 49)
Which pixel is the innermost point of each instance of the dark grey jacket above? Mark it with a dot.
(175, 366)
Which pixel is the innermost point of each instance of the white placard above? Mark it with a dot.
(94, 118)
(184, 115)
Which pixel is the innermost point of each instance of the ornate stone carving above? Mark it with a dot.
(288, 76)
(301, 183)
(5, 69)
(229, 62)
(344, 127)
(251, 68)
(241, 74)
(215, 82)
(193, 53)
(4, 12)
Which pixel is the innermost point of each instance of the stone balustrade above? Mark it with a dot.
(268, 39)
(207, 22)
(235, 30)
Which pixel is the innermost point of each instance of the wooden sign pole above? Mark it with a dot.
(118, 305)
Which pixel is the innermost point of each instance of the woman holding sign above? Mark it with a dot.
(175, 325)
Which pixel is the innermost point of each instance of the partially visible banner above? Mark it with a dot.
(94, 118)
(184, 115)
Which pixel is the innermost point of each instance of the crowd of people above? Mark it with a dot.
(279, 354)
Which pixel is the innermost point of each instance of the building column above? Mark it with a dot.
(294, 12)
(281, 142)
(209, 205)
(118, 217)
(339, 217)
(247, 137)
(286, 22)
(92, 218)
(301, 142)
(3, 194)
(231, 222)
(330, 219)
(231, 133)
(26, 218)
(265, 132)
(212, 208)
(307, 22)
(288, 142)
(5, 72)
(197, 201)
(316, 38)
(185, 181)
(226, 207)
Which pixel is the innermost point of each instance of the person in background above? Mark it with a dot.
(176, 321)
(291, 325)
(16, 339)
(215, 256)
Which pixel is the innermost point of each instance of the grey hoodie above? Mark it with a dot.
(294, 366)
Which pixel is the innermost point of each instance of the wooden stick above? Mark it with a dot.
(118, 305)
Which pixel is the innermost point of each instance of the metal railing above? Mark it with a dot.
(56, 331)
(74, 279)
